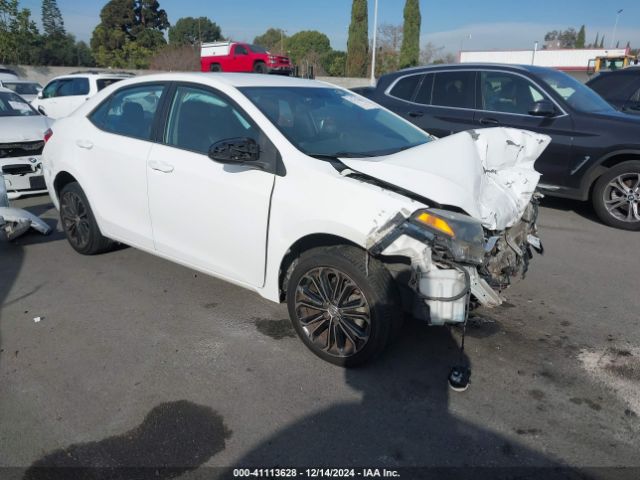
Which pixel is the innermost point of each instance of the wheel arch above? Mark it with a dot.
(302, 245)
(62, 179)
(602, 165)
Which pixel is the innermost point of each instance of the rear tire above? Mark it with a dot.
(343, 310)
(215, 67)
(79, 223)
(616, 196)
(260, 67)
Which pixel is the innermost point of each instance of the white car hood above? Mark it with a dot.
(23, 129)
(488, 173)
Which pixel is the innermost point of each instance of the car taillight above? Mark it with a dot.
(47, 135)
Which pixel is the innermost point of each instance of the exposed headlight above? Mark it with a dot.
(461, 234)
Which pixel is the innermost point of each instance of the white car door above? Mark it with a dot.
(112, 150)
(209, 215)
(47, 101)
(70, 95)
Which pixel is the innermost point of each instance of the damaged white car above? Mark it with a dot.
(21, 142)
(304, 193)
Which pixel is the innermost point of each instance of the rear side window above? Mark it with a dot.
(129, 111)
(454, 89)
(102, 83)
(405, 87)
(73, 86)
(426, 89)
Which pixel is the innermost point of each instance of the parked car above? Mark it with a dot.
(22, 131)
(594, 152)
(304, 193)
(241, 57)
(25, 88)
(64, 94)
(620, 88)
(8, 74)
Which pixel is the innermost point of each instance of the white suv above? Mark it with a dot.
(303, 192)
(64, 94)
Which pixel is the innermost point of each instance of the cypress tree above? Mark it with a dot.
(358, 41)
(52, 22)
(580, 41)
(410, 50)
(602, 42)
(595, 44)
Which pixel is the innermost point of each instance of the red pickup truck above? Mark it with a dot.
(241, 57)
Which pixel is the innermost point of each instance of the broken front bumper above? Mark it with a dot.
(443, 286)
(23, 175)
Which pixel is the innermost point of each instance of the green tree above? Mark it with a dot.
(52, 22)
(601, 42)
(582, 38)
(410, 50)
(307, 45)
(273, 40)
(84, 56)
(19, 36)
(358, 41)
(334, 63)
(595, 44)
(130, 32)
(192, 31)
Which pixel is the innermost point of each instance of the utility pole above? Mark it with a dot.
(535, 49)
(375, 35)
(615, 27)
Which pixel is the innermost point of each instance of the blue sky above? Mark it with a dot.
(492, 24)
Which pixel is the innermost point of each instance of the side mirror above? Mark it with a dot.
(543, 108)
(237, 151)
(40, 95)
(41, 110)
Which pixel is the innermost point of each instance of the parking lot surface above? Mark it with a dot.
(140, 362)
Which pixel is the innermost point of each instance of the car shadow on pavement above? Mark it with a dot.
(584, 209)
(404, 420)
(174, 438)
(11, 259)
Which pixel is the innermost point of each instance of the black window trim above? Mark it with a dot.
(476, 71)
(156, 115)
(161, 123)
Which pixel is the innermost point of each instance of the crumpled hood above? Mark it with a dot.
(488, 173)
(23, 129)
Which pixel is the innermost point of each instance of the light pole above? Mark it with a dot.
(535, 49)
(466, 37)
(615, 27)
(375, 36)
(282, 32)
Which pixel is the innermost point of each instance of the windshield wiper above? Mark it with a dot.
(337, 155)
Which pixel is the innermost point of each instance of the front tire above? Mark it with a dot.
(343, 310)
(260, 67)
(79, 223)
(616, 196)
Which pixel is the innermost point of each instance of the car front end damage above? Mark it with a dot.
(449, 258)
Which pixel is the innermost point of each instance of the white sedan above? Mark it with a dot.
(21, 142)
(302, 192)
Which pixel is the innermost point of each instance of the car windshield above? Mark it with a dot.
(23, 88)
(333, 122)
(577, 95)
(11, 105)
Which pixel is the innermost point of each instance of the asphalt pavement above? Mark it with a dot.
(139, 362)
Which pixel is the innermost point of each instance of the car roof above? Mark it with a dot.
(237, 80)
(19, 80)
(92, 75)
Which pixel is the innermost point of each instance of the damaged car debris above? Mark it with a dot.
(16, 221)
(313, 195)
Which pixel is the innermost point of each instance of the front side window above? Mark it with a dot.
(333, 122)
(507, 93)
(73, 87)
(129, 111)
(240, 50)
(50, 90)
(199, 118)
(103, 83)
(404, 88)
(454, 89)
(12, 105)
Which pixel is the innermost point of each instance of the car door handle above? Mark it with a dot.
(160, 166)
(489, 121)
(84, 144)
(416, 114)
